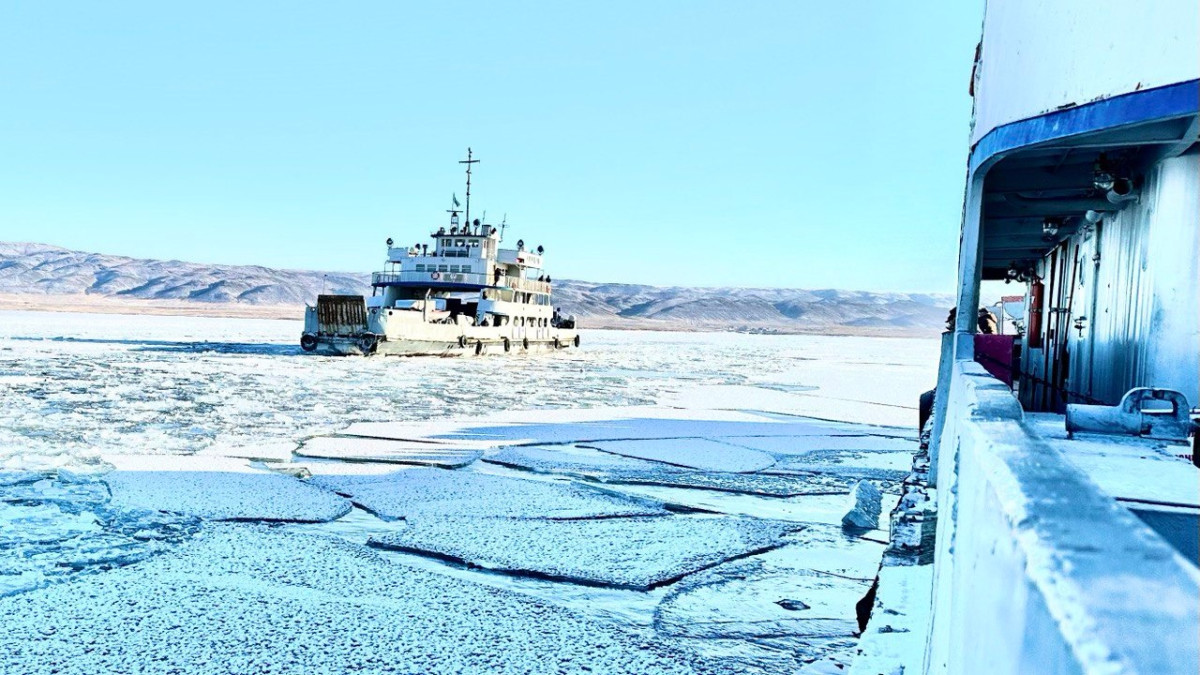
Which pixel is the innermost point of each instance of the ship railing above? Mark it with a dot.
(409, 276)
(530, 285)
(433, 277)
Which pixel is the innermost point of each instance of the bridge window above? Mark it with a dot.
(459, 242)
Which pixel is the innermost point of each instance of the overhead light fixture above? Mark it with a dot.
(1102, 174)
(1050, 227)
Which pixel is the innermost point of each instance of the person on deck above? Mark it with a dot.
(987, 322)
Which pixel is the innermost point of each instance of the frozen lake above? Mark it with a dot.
(79, 385)
(650, 502)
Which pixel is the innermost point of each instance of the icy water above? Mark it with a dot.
(704, 535)
(79, 385)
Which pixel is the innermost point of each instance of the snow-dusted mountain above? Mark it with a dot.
(40, 269)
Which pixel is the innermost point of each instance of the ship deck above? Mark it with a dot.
(1154, 479)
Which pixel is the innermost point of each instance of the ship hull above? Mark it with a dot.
(479, 343)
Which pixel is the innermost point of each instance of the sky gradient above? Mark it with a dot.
(787, 144)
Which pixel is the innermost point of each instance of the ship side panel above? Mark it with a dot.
(1037, 57)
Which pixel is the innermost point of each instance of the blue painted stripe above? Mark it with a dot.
(1148, 105)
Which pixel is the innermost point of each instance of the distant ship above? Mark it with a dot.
(461, 295)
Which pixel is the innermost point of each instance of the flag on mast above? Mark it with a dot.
(454, 198)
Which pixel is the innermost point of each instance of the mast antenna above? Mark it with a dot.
(503, 224)
(468, 161)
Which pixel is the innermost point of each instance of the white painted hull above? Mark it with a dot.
(450, 340)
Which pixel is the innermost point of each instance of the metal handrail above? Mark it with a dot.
(378, 278)
(514, 283)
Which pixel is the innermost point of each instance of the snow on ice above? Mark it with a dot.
(216, 489)
(696, 453)
(243, 598)
(386, 450)
(438, 492)
(127, 443)
(637, 553)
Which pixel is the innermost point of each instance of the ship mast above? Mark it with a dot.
(468, 161)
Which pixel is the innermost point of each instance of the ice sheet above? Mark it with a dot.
(245, 598)
(215, 489)
(381, 450)
(890, 466)
(804, 592)
(837, 440)
(696, 453)
(638, 553)
(56, 527)
(440, 492)
(591, 464)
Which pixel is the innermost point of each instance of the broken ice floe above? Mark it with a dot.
(352, 448)
(51, 528)
(438, 492)
(245, 598)
(836, 440)
(579, 425)
(865, 504)
(887, 465)
(798, 600)
(636, 553)
(591, 464)
(696, 453)
(217, 489)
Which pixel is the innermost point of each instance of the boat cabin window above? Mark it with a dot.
(459, 242)
(443, 268)
(420, 268)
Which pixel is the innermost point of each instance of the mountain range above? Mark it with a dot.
(30, 270)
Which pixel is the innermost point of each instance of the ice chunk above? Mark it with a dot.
(217, 489)
(592, 464)
(865, 506)
(801, 597)
(384, 450)
(696, 453)
(741, 483)
(571, 459)
(876, 465)
(438, 492)
(636, 553)
(749, 599)
(246, 598)
(800, 445)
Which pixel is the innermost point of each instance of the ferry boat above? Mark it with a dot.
(463, 294)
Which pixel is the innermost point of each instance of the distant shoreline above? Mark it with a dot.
(95, 304)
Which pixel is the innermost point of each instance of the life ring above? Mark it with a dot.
(368, 343)
(435, 276)
(576, 339)
(308, 343)
(478, 348)
(462, 340)
(525, 344)
(507, 345)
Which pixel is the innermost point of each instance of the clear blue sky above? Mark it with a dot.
(679, 142)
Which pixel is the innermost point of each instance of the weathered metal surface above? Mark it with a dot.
(1138, 414)
(341, 314)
